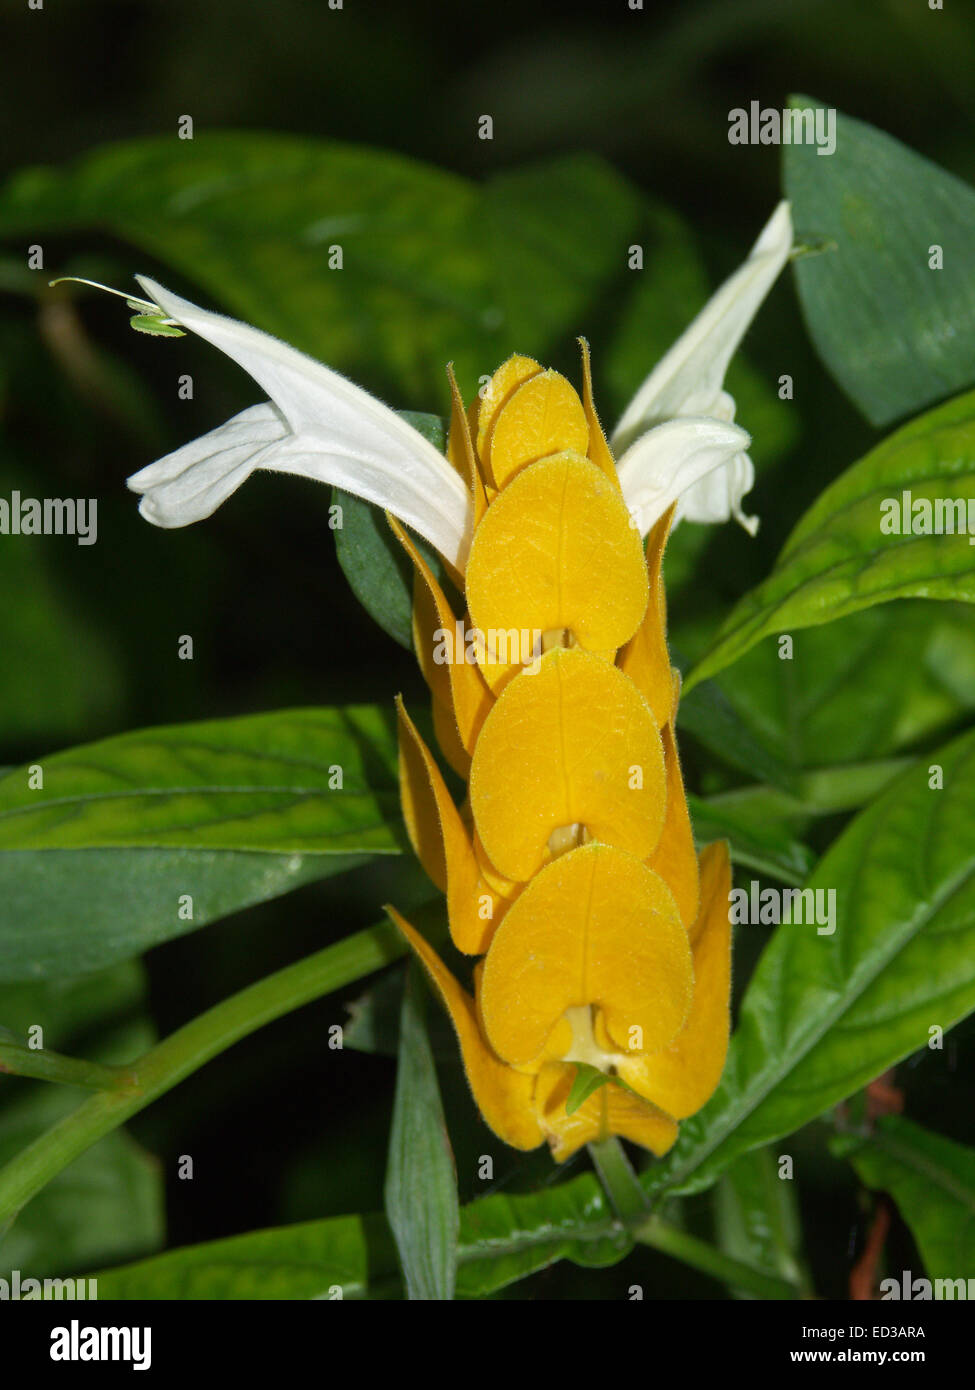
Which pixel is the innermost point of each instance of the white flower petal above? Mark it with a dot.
(672, 458)
(336, 433)
(190, 483)
(717, 496)
(688, 380)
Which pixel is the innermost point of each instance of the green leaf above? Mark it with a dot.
(421, 1183)
(757, 842)
(859, 689)
(372, 559)
(837, 560)
(931, 1179)
(251, 218)
(343, 1257)
(824, 1015)
(896, 334)
(230, 812)
(585, 1083)
(503, 1238)
(757, 1217)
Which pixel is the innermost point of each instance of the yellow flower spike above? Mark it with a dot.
(570, 743)
(442, 844)
(507, 888)
(460, 449)
(599, 450)
(594, 927)
(503, 1095)
(645, 658)
(556, 551)
(683, 1076)
(544, 416)
(675, 858)
(506, 380)
(458, 683)
(608, 1111)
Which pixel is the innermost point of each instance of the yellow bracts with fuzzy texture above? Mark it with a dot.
(570, 870)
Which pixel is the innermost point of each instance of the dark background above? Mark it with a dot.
(281, 1129)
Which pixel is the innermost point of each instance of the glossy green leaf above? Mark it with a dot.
(757, 1217)
(838, 561)
(95, 865)
(857, 690)
(257, 221)
(343, 1257)
(503, 1238)
(932, 1180)
(756, 842)
(372, 559)
(825, 1014)
(895, 333)
(421, 1181)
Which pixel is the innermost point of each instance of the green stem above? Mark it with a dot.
(165, 1065)
(708, 1259)
(621, 1184)
(52, 1066)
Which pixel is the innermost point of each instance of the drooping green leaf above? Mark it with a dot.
(896, 333)
(372, 559)
(74, 910)
(97, 863)
(757, 1217)
(421, 1181)
(825, 1014)
(838, 560)
(932, 1180)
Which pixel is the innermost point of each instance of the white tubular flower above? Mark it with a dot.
(677, 440)
(316, 424)
(709, 478)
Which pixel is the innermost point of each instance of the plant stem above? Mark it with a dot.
(53, 1066)
(621, 1184)
(710, 1260)
(165, 1065)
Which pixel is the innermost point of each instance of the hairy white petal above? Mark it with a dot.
(717, 496)
(335, 432)
(190, 483)
(688, 379)
(672, 458)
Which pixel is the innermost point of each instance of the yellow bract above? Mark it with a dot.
(544, 416)
(571, 869)
(561, 945)
(571, 743)
(556, 551)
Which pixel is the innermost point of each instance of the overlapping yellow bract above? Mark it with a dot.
(570, 870)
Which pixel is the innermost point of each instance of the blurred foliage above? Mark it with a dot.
(455, 248)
